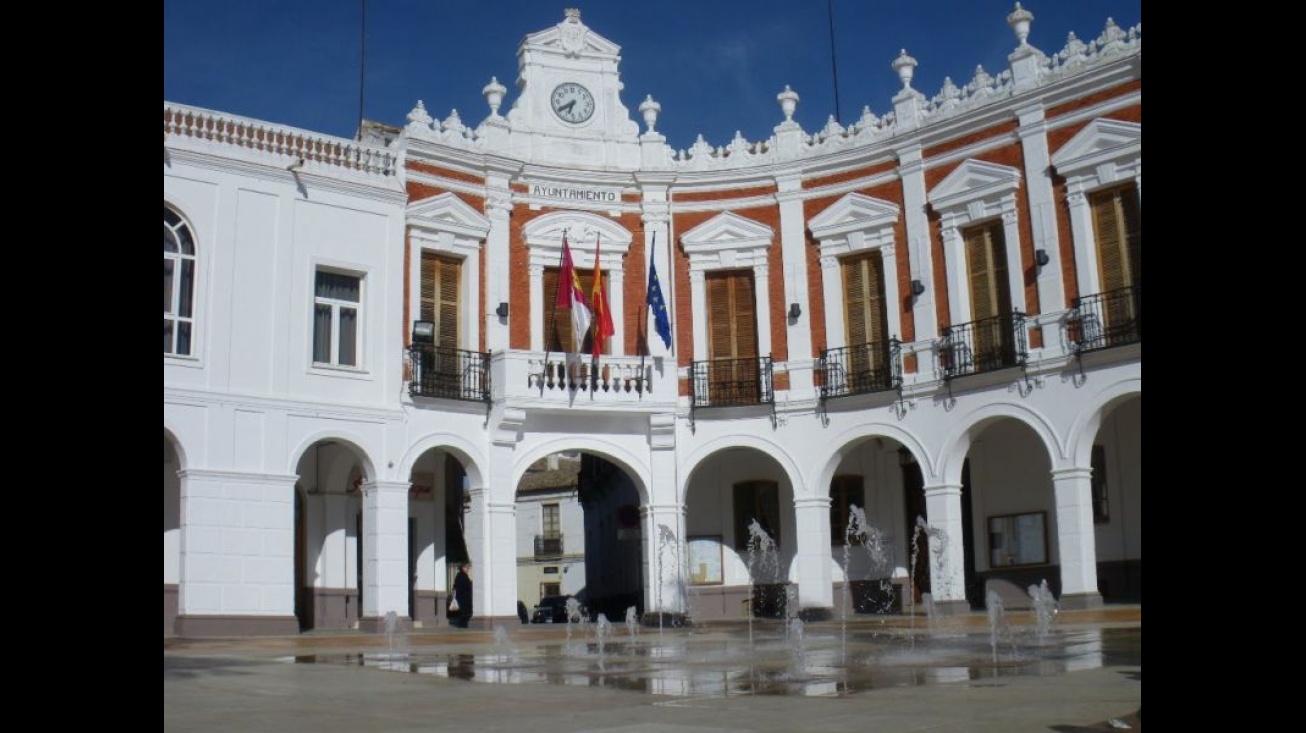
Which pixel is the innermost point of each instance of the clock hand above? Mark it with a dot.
(568, 106)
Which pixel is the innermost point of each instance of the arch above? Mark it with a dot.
(629, 462)
(1083, 431)
(344, 437)
(956, 445)
(170, 435)
(851, 437)
(773, 450)
(467, 454)
(181, 286)
(543, 238)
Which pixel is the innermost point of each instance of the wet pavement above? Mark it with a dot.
(1080, 672)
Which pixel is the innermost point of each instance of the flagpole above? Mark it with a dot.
(553, 317)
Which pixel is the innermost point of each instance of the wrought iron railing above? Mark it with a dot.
(548, 545)
(452, 374)
(860, 369)
(985, 345)
(731, 382)
(1104, 320)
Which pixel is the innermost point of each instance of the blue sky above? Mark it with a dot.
(714, 66)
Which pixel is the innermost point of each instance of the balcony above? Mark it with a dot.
(1105, 320)
(548, 546)
(546, 380)
(860, 369)
(451, 374)
(731, 382)
(986, 345)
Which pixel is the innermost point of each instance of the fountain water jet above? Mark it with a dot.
(759, 542)
(1045, 609)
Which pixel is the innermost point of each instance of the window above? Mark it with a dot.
(550, 589)
(1018, 539)
(441, 278)
(178, 285)
(990, 294)
(863, 287)
(336, 305)
(552, 524)
(1118, 229)
(732, 336)
(1101, 505)
(845, 492)
(756, 500)
(557, 334)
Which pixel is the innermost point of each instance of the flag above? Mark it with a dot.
(656, 305)
(572, 297)
(602, 314)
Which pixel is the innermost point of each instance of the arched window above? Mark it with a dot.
(178, 285)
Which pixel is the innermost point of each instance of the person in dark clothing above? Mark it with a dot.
(462, 594)
(522, 613)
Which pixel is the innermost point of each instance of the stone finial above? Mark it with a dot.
(418, 115)
(906, 67)
(1019, 20)
(572, 15)
(788, 100)
(650, 109)
(494, 92)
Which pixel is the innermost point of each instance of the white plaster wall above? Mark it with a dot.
(1121, 538)
(1001, 485)
(171, 522)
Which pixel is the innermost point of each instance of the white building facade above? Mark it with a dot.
(931, 317)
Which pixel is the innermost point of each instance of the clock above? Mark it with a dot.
(572, 102)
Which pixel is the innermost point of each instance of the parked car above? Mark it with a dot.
(551, 610)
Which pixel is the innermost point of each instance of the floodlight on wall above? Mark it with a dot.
(299, 163)
(502, 310)
(795, 310)
(917, 287)
(1041, 257)
(423, 332)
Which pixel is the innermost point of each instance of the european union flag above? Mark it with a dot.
(656, 304)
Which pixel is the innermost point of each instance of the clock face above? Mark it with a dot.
(572, 102)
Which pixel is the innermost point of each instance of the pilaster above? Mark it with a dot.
(815, 584)
(385, 554)
(947, 551)
(1076, 537)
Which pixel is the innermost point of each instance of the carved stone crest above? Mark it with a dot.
(572, 32)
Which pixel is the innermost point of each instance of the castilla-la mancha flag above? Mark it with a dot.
(603, 328)
(572, 297)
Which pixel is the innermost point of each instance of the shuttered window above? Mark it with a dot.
(867, 327)
(732, 332)
(557, 321)
(990, 296)
(1118, 229)
(439, 297)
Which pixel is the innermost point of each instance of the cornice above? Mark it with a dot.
(390, 193)
(200, 397)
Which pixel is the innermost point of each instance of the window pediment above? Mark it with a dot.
(543, 237)
(447, 213)
(1101, 141)
(727, 240)
(976, 182)
(853, 223)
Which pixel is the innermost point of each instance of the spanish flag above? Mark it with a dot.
(572, 297)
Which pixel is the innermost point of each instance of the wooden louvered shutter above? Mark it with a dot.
(863, 287)
(1117, 226)
(558, 320)
(986, 258)
(732, 326)
(439, 297)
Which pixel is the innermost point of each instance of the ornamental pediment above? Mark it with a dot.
(584, 231)
(974, 180)
(727, 231)
(571, 37)
(1100, 141)
(854, 212)
(447, 212)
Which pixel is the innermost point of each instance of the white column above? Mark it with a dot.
(762, 300)
(1076, 537)
(538, 306)
(496, 595)
(947, 550)
(385, 549)
(657, 238)
(836, 329)
(1081, 231)
(793, 250)
(698, 303)
(498, 205)
(954, 263)
(1042, 207)
(617, 301)
(664, 523)
(919, 259)
(812, 520)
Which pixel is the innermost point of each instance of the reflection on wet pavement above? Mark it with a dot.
(716, 665)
